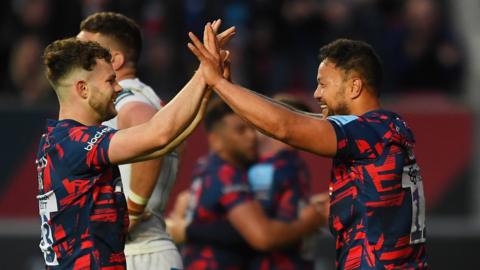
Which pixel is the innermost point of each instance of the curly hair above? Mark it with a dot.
(63, 56)
(120, 28)
(353, 55)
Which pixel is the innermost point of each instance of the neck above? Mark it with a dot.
(365, 104)
(125, 73)
(79, 115)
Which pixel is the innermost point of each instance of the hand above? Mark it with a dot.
(135, 220)
(183, 198)
(227, 74)
(310, 217)
(177, 228)
(321, 202)
(224, 37)
(208, 54)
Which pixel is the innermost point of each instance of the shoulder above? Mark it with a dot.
(135, 90)
(342, 120)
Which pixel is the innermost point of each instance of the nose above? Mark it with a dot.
(318, 94)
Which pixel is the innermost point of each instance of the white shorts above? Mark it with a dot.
(162, 260)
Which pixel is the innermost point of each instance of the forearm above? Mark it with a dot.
(184, 134)
(172, 119)
(263, 233)
(282, 234)
(218, 233)
(266, 115)
(159, 135)
(144, 176)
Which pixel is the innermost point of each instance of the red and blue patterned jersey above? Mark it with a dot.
(377, 211)
(280, 183)
(82, 206)
(216, 189)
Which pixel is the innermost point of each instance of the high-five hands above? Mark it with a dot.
(210, 54)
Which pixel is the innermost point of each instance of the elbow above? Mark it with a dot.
(161, 134)
(161, 140)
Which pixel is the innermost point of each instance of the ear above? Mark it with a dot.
(81, 89)
(356, 87)
(118, 60)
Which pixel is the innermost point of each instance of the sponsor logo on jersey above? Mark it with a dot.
(95, 138)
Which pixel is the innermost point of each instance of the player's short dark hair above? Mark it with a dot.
(216, 110)
(353, 55)
(292, 101)
(63, 56)
(120, 28)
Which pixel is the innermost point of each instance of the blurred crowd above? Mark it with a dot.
(275, 49)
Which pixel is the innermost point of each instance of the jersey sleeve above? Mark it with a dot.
(87, 147)
(126, 96)
(234, 188)
(356, 139)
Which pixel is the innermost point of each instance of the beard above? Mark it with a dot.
(104, 111)
(341, 109)
(245, 158)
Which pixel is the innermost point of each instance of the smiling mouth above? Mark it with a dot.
(323, 106)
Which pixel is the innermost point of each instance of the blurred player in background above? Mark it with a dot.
(377, 211)
(280, 182)
(220, 192)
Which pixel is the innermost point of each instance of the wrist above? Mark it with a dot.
(218, 84)
(136, 204)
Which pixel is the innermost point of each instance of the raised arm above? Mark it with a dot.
(182, 136)
(135, 143)
(299, 130)
(153, 138)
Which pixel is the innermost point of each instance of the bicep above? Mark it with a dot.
(128, 144)
(135, 140)
(311, 134)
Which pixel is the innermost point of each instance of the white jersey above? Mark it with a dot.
(148, 236)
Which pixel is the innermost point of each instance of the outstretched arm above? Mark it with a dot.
(153, 138)
(299, 130)
(185, 133)
(139, 142)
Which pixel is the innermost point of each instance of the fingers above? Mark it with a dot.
(206, 39)
(195, 51)
(212, 45)
(226, 36)
(216, 25)
(225, 55)
(197, 47)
